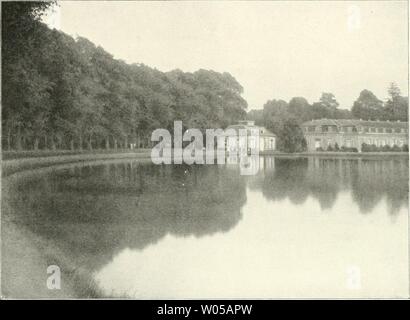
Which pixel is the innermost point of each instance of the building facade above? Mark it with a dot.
(322, 133)
(266, 140)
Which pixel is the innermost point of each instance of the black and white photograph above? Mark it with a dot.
(204, 150)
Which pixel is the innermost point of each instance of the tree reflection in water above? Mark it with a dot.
(368, 180)
(93, 212)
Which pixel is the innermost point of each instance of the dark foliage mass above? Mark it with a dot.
(65, 93)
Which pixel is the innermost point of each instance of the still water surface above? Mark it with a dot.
(306, 227)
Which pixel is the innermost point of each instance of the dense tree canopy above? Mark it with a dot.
(367, 106)
(60, 92)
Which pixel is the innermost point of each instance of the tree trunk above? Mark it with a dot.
(126, 142)
(53, 144)
(25, 144)
(18, 139)
(90, 146)
(80, 142)
(107, 143)
(60, 143)
(35, 144)
(72, 144)
(45, 142)
(115, 144)
(8, 140)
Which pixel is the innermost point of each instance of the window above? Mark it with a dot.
(325, 128)
(380, 130)
(366, 129)
(373, 130)
(397, 130)
(389, 130)
(311, 128)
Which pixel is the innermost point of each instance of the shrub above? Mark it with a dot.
(348, 149)
(374, 148)
(319, 149)
(329, 148)
(385, 148)
(337, 147)
(405, 148)
(396, 148)
(370, 148)
(366, 147)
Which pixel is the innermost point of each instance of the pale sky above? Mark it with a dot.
(276, 50)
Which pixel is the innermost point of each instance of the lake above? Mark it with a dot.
(300, 227)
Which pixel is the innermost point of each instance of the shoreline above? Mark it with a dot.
(27, 160)
(11, 166)
(330, 154)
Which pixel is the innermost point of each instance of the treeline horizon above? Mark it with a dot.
(285, 118)
(65, 93)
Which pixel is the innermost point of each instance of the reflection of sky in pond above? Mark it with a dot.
(274, 251)
(293, 230)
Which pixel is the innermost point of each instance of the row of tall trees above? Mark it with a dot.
(65, 93)
(369, 107)
(284, 118)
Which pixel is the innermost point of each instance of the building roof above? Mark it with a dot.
(262, 130)
(356, 122)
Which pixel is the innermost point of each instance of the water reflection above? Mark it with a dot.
(323, 179)
(108, 217)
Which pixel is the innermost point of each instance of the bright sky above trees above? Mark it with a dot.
(276, 50)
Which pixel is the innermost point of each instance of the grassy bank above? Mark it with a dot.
(12, 155)
(24, 264)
